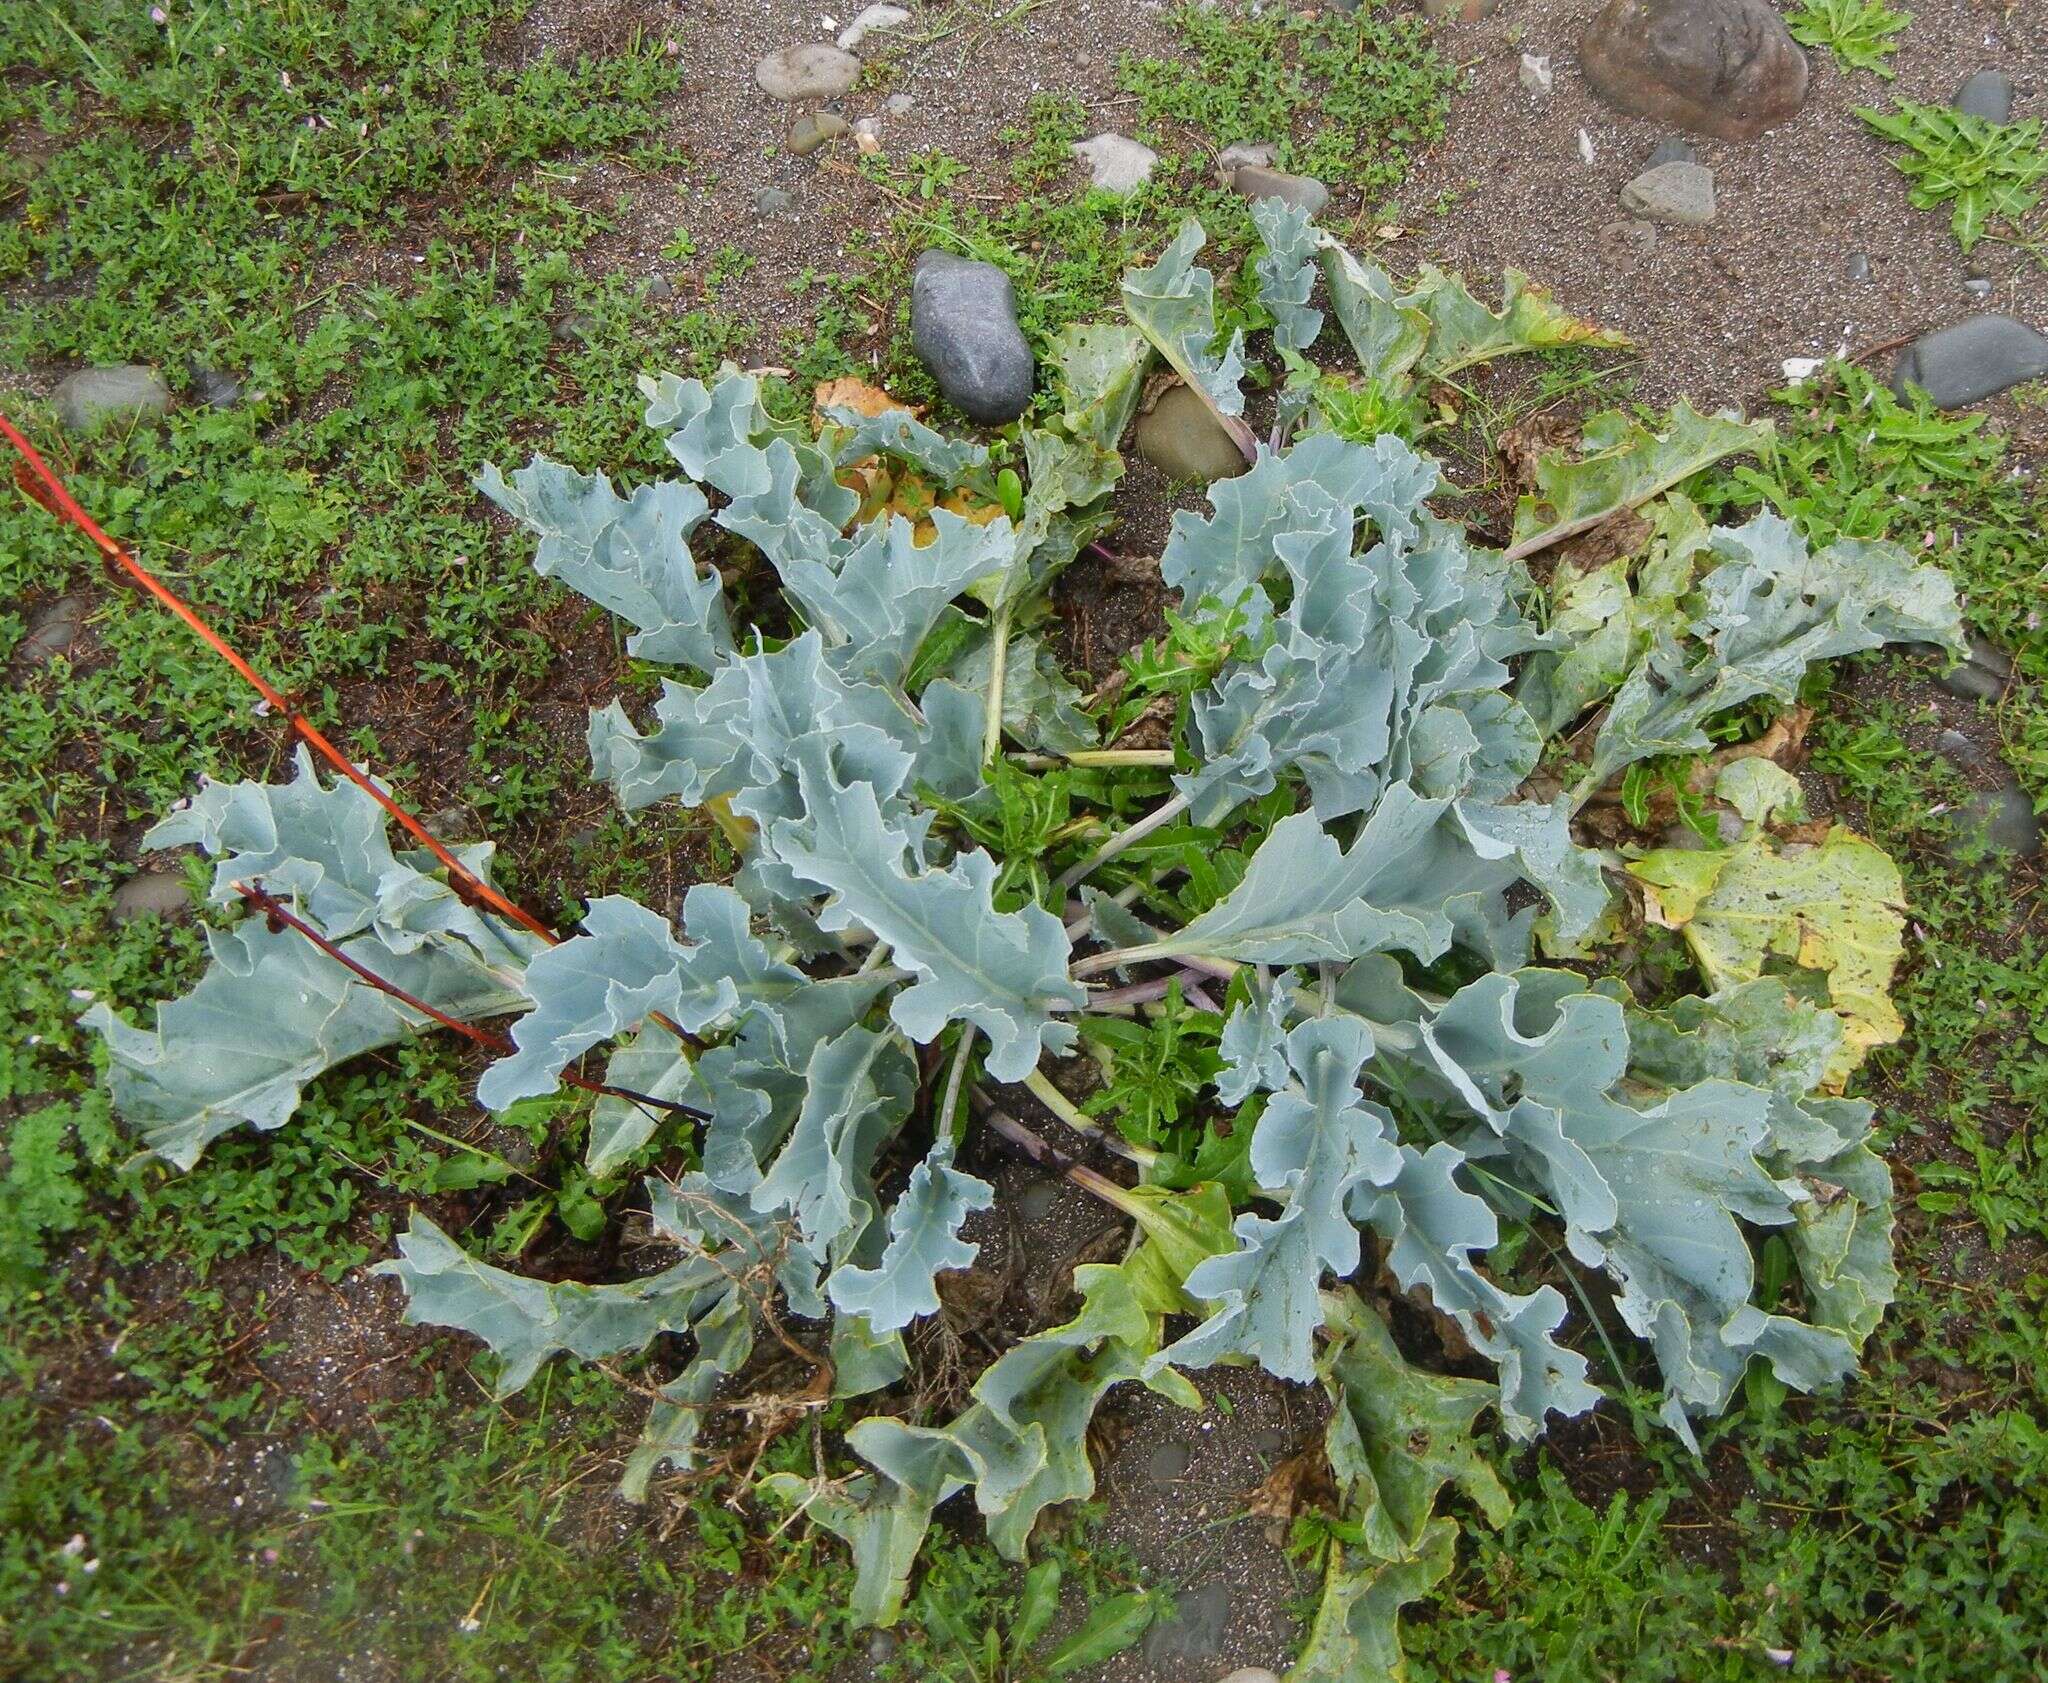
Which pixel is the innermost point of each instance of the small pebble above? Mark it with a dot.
(1677, 193)
(151, 894)
(812, 130)
(1536, 74)
(871, 20)
(809, 71)
(1979, 289)
(1670, 150)
(121, 395)
(1988, 94)
(1859, 266)
(899, 105)
(1116, 163)
(771, 201)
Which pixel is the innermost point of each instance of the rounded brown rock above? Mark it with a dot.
(1727, 68)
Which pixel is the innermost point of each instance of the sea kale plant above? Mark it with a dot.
(1319, 961)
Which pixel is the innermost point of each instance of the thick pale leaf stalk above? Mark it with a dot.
(1157, 819)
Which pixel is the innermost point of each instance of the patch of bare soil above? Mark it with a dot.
(1716, 310)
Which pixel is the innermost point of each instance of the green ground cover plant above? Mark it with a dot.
(1860, 33)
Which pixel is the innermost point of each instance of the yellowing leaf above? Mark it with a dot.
(857, 395)
(1836, 908)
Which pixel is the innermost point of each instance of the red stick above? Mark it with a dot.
(53, 496)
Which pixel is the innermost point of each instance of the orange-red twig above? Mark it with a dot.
(48, 490)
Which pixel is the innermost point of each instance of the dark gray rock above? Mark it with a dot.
(2001, 819)
(1194, 1630)
(1167, 1462)
(575, 328)
(882, 1646)
(1859, 266)
(1269, 1441)
(1670, 150)
(1676, 193)
(1460, 11)
(1179, 436)
(54, 632)
(772, 201)
(214, 387)
(810, 70)
(963, 325)
(1973, 359)
(121, 395)
(1982, 676)
(1728, 68)
(813, 129)
(151, 894)
(1256, 182)
(658, 290)
(1988, 94)
(1956, 748)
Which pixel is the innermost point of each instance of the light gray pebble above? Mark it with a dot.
(810, 70)
(1115, 162)
(122, 395)
(1676, 192)
(1859, 266)
(54, 632)
(152, 894)
(771, 201)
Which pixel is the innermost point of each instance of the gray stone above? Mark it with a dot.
(811, 70)
(871, 20)
(1167, 1462)
(1536, 75)
(899, 105)
(1302, 190)
(1981, 676)
(813, 129)
(1251, 1674)
(575, 328)
(658, 290)
(1258, 153)
(1194, 1630)
(1988, 94)
(1116, 163)
(1180, 437)
(1956, 748)
(55, 631)
(1859, 266)
(2003, 819)
(1728, 68)
(1269, 1441)
(121, 395)
(1681, 194)
(771, 201)
(151, 894)
(1978, 288)
(214, 387)
(963, 325)
(1628, 240)
(882, 1646)
(1038, 1199)
(1460, 11)
(1972, 359)
(1670, 150)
